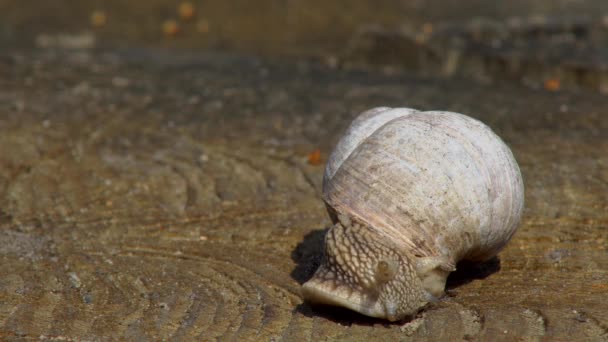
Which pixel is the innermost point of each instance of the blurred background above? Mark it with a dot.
(550, 43)
(161, 161)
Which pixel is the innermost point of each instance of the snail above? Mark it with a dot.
(411, 194)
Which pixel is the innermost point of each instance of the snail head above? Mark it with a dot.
(365, 272)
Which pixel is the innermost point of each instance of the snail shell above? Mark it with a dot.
(411, 194)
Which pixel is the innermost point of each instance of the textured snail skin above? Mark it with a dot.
(411, 194)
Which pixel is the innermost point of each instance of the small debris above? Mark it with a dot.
(580, 316)
(411, 327)
(87, 298)
(600, 286)
(314, 157)
(75, 280)
(552, 84)
(170, 28)
(186, 10)
(98, 18)
(558, 255)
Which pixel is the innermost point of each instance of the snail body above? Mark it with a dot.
(411, 194)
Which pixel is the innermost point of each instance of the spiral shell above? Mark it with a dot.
(411, 194)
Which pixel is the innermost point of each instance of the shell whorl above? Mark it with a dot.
(360, 129)
(436, 182)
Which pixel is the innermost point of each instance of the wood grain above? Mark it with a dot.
(181, 205)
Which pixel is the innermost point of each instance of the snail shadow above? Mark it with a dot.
(307, 255)
(342, 316)
(467, 271)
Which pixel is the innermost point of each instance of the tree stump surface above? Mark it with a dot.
(147, 195)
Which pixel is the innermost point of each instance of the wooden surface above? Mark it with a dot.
(146, 195)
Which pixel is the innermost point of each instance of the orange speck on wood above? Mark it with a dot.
(170, 28)
(98, 18)
(314, 157)
(186, 10)
(552, 84)
(600, 286)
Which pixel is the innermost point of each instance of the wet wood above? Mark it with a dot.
(174, 199)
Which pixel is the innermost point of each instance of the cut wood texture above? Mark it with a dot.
(146, 196)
